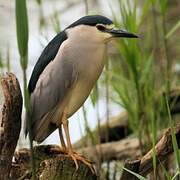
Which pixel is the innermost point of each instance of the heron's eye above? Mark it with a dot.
(100, 27)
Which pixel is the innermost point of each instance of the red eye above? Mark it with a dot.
(100, 27)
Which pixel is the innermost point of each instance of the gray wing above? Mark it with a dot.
(51, 89)
(48, 55)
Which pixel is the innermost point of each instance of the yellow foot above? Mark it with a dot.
(77, 157)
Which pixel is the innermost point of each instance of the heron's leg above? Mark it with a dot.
(61, 148)
(66, 130)
(75, 156)
(62, 138)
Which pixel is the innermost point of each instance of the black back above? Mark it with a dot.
(52, 48)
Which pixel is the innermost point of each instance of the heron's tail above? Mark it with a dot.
(41, 128)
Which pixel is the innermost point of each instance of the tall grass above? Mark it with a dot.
(136, 77)
(22, 39)
(133, 70)
(163, 10)
(8, 65)
(1, 60)
(174, 140)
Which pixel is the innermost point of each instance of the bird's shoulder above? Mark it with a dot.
(45, 58)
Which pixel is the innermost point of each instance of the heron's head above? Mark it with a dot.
(96, 28)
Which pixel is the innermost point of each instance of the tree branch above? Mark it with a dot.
(163, 149)
(119, 150)
(10, 122)
(118, 129)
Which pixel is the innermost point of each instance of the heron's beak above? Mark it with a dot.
(121, 33)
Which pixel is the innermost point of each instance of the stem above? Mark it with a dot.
(155, 33)
(8, 58)
(27, 107)
(107, 114)
(86, 7)
(140, 113)
(88, 130)
(168, 63)
(98, 129)
(140, 138)
(107, 102)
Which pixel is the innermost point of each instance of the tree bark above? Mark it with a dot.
(51, 164)
(62, 167)
(119, 150)
(10, 122)
(48, 158)
(164, 148)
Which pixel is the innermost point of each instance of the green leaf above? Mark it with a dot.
(163, 6)
(168, 177)
(153, 2)
(135, 174)
(144, 12)
(174, 28)
(146, 70)
(94, 95)
(174, 140)
(56, 22)
(39, 2)
(177, 174)
(22, 30)
(1, 60)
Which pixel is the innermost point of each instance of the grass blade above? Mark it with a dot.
(175, 28)
(174, 140)
(135, 174)
(22, 30)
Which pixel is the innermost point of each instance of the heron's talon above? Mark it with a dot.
(76, 157)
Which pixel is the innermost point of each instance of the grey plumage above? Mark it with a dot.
(55, 84)
(66, 72)
(47, 99)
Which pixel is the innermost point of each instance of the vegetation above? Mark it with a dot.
(139, 76)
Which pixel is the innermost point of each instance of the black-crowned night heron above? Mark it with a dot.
(65, 74)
